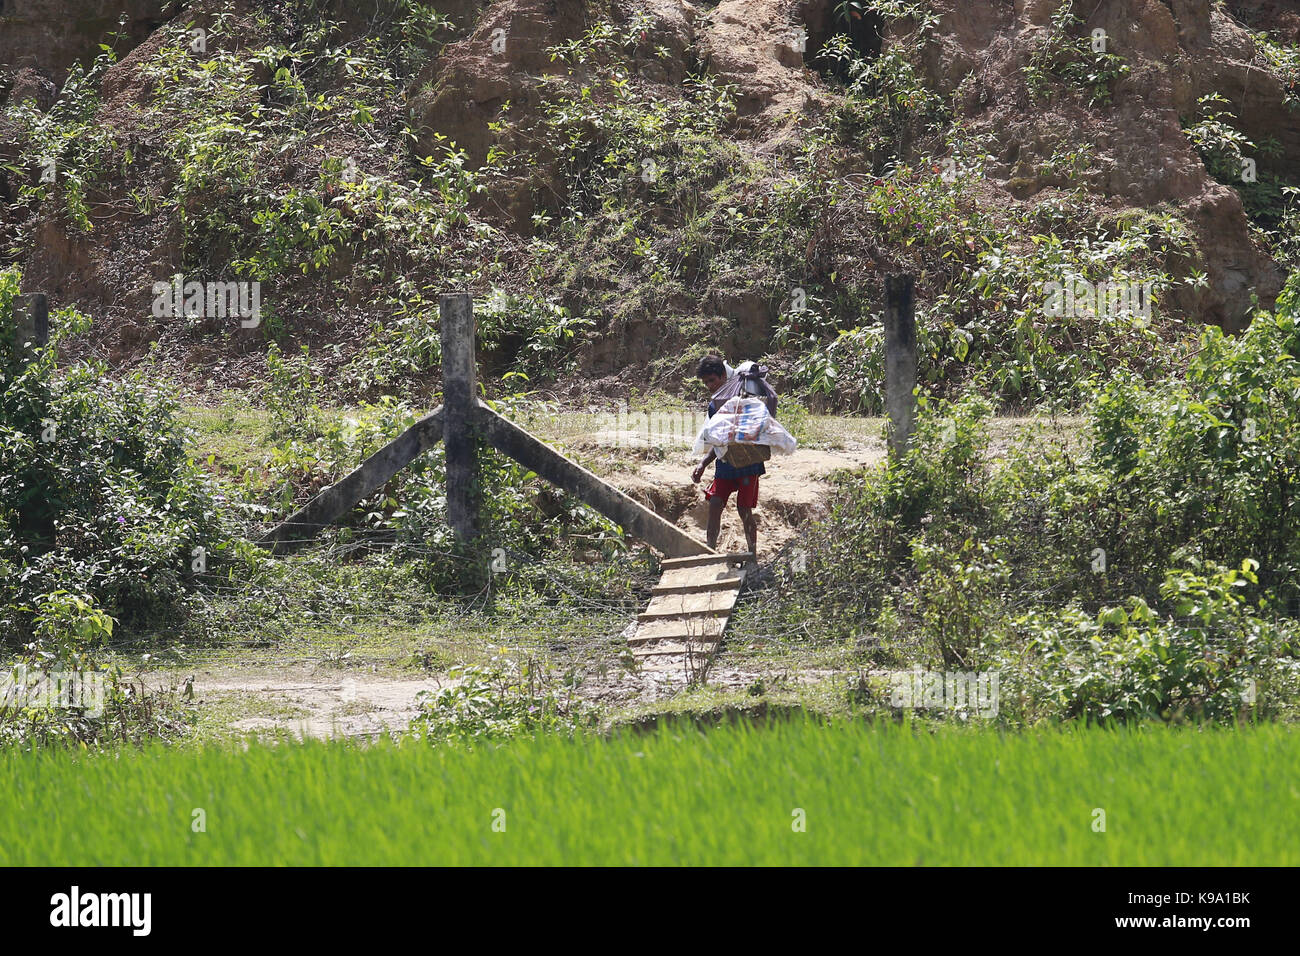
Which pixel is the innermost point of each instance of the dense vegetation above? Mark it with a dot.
(287, 157)
(1148, 570)
(1151, 573)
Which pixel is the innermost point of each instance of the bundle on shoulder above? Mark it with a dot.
(744, 432)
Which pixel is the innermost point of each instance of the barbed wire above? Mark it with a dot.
(296, 583)
(767, 595)
(295, 588)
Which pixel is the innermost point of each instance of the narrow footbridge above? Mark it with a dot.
(688, 611)
(683, 624)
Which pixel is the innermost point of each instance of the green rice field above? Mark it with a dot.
(790, 792)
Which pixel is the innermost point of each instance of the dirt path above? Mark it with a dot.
(791, 494)
(306, 702)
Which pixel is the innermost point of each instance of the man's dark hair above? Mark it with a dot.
(712, 365)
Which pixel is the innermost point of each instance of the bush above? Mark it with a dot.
(128, 712)
(498, 701)
(97, 497)
(1057, 562)
(1206, 464)
(1211, 657)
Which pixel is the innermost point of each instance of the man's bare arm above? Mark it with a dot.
(699, 471)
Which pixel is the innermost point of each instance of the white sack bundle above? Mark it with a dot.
(743, 421)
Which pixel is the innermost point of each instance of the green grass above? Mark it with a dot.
(872, 795)
(235, 433)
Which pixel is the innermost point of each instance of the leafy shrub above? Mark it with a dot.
(72, 148)
(974, 563)
(97, 495)
(292, 396)
(960, 591)
(100, 513)
(865, 546)
(1211, 658)
(532, 336)
(987, 321)
(846, 371)
(889, 108)
(1078, 61)
(1204, 464)
(1230, 156)
(504, 699)
(128, 713)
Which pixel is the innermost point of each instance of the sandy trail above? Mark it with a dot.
(792, 493)
(306, 702)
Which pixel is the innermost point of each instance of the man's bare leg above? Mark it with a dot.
(750, 521)
(717, 505)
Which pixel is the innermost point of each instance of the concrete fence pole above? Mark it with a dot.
(900, 360)
(32, 324)
(459, 400)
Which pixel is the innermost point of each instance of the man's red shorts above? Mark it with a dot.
(746, 490)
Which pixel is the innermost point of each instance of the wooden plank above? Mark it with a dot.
(694, 578)
(665, 612)
(696, 561)
(692, 632)
(639, 521)
(681, 628)
(676, 628)
(338, 499)
(676, 648)
(699, 588)
(718, 603)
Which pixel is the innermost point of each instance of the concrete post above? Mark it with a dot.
(900, 360)
(459, 400)
(562, 472)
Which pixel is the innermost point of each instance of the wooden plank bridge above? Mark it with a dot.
(688, 611)
(682, 627)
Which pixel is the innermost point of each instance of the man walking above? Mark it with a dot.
(727, 478)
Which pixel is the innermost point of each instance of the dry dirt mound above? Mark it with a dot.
(1177, 52)
(791, 494)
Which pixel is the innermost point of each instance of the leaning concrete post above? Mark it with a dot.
(334, 502)
(900, 360)
(456, 310)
